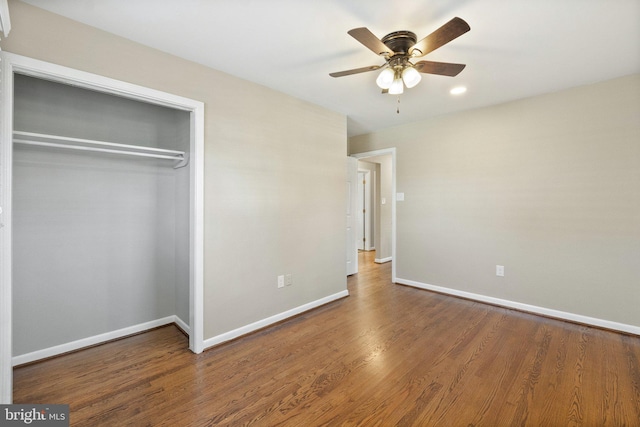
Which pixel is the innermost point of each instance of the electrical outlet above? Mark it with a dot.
(289, 280)
(500, 270)
(281, 281)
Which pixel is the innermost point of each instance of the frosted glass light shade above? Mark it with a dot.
(396, 87)
(411, 77)
(385, 78)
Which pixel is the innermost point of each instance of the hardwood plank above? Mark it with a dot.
(387, 355)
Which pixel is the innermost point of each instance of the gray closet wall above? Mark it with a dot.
(101, 241)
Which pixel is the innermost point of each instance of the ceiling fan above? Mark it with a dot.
(399, 48)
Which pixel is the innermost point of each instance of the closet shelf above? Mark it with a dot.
(56, 141)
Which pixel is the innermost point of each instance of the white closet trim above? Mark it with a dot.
(41, 139)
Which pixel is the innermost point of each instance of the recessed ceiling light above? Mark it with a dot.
(458, 90)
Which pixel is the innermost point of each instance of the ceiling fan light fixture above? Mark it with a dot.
(411, 76)
(385, 78)
(398, 48)
(396, 87)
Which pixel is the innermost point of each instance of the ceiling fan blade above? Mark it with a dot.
(440, 68)
(369, 40)
(443, 35)
(355, 71)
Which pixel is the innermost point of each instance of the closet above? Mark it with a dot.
(104, 204)
(101, 211)
(100, 228)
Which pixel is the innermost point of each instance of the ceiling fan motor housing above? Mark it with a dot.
(400, 41)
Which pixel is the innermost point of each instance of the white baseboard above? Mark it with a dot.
(382, 260)
(182, 325)
(572, 317)
(96, 339)
(252, 327)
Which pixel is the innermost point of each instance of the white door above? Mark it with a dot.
(352, 194)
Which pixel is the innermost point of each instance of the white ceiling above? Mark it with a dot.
(515, 49)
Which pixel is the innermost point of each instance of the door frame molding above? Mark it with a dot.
(392, 152)
(11, 64)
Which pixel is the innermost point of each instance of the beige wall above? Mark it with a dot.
(549, 187)
(268, 210)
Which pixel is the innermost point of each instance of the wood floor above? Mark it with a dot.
(387, 355)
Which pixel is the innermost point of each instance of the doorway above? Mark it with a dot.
(385, 234)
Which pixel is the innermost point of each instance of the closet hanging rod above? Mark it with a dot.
(102, 150)
(98, 143)
(102, 147)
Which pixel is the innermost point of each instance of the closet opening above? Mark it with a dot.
(102, 219)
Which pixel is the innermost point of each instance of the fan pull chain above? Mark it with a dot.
(398, 107)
